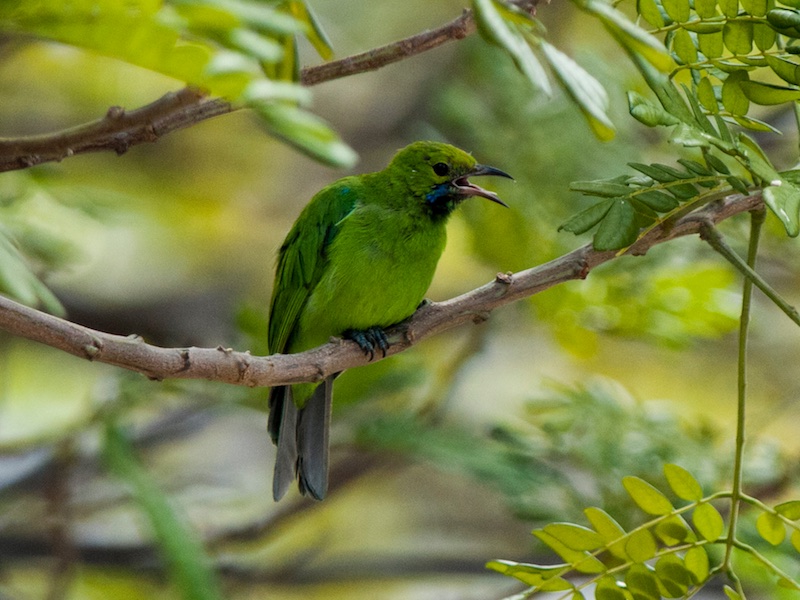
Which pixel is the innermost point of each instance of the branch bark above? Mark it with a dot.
(119, 129)
(241, 368)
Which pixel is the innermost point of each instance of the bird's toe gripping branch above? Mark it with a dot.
(369, 340)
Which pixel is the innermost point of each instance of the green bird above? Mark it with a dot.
(359, 259)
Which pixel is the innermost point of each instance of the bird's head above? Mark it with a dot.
(438, 176)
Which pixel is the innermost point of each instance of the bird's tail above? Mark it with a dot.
(301, 436)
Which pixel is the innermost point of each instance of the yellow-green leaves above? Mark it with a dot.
(683, 483)
(707, 521)
(647, 497)
(517, 33)
(498, 31)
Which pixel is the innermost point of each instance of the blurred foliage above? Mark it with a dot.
(437, 453)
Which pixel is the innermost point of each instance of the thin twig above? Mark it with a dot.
(240, 368)
(119, 129)
(716, 241)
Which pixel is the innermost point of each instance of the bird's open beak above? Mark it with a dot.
(466, 188)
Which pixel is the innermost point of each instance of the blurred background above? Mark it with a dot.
(443, 457)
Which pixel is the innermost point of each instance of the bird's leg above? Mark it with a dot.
(368, 340)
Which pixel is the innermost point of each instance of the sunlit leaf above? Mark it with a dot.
(731, 593)
(789, 510)
(608, 528)
(711, 44)
(306, 132)
(764, 36)
(795, 539)
(707, 521)
(771, 528)
(647, 497)
(633, 38)
(730, 8)
(733, 97)
(706, 96)
(738, 36)
(608, 589)
(650, 12)
(683, 482)
(497, 31)
(642, 582)
(583, 88)
(575, 536)
(684, 47)
(673, 530)
(768, 94)
(705, 8)
(696, 561)
(784, 201)
(640, 546)
(673, 575)
(678, 10)
(757, 8)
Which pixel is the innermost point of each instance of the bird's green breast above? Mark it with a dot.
(379, 267)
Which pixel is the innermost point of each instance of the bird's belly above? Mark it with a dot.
(365, 287)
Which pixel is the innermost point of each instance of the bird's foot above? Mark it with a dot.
(369, 340)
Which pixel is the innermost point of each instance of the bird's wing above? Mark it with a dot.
(303, 256)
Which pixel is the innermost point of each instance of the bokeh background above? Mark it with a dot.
(444, 457)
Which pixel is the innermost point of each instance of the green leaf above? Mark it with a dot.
(771, 528)
(673, 531)
(711, 44)
(738, 36)
(678, 10)
(657, 172)
(307, 132)
(764, 36)
(581, 561)
(757, 8)
(730, 8)
(707, 521)
(608, 528)
(658, 201)
(731, 593)
(696, 561)
(733, 97)
(784, 68)
(18, 281)
(575, 536)
(583, 88)
(315, 32)
(737, 184)
(673, 575)
(533, 575)
(716, 164)
(601, 188)
(618, 229)
(640, 546)
(683, 47)
(647, 497)
(695, 167)
(647, 112)
(608, 589)
(783, 18)
(767, 94)
(650, 12)
(642, 583)
(789, 510)
(705, 9)
(683, 483)
(497, 31)
(784, 201)
(587, 218)
(188, 564)
(795, 539)
(705, 93)
(633, 38)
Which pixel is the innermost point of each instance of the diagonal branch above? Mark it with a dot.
(119, 129)
(241, 368)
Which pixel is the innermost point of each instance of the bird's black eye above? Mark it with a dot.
(441, 169)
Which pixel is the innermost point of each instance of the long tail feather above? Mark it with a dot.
(283, 430)
(312, 440)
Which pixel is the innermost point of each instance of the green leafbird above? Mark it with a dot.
(359, 258)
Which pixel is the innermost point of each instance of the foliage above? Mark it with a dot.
(670, 555)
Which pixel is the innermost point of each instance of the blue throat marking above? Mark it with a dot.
(438, 191)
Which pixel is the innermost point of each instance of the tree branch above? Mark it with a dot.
(118, 130)
(241, 368)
